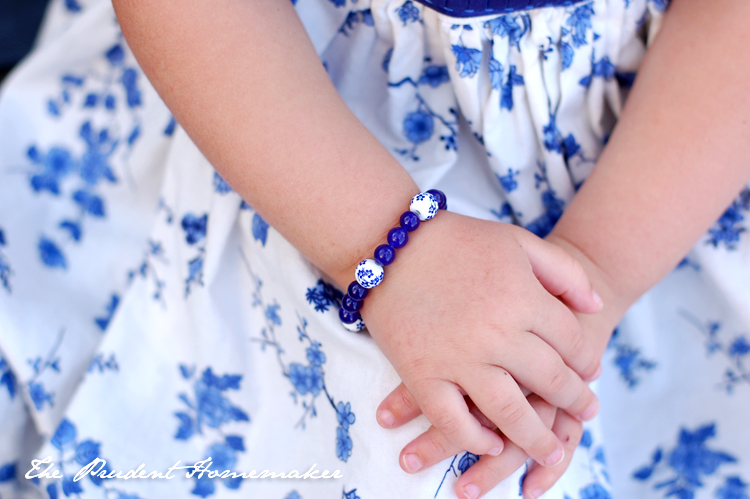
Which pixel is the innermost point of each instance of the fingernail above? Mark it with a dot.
(412, 463)
(594, 376)
(597, 298)
(385, 418)
(555, 458)
(495, 451)
(590, 411)
(534, 494)
(471, 491)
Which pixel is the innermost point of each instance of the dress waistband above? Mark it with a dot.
(476, 8)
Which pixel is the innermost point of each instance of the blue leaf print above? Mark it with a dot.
(580, 22)
(543, 224)
(496, 73)
(352, 494)
(89, 203)
(186, 428)
(194, 227)
(71, 487)
(236, 443)
(73, 228)
(272, 314)
(8, 378)
(630, 362)
(434, 76)
(211, 407)
(260, 229)
(64, 435)
(129, 81)
(344, 444)
(408, 12)
(566, 55)
(324, 295)
(733, 488)
(171, 126)
(603, 68)
(387, 59)
(72, 6)
(5, 270)
(38, 395)
(7, 472)
(689, 461)
(507, 26)
(467, 60)
(418, 127)
(103, 322)
(513, 79)
(115, 55)
(52, 490)
(728, 229)
(293, 495)
(354, 18)
(51, 254)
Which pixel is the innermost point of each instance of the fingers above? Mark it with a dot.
(446, 409)
(489, 470)
(498, 396)
(540, 479)
(562, 331)
(560, 273)
(398, 408)
(540, 369)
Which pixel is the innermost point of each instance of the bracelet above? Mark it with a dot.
(369, 273)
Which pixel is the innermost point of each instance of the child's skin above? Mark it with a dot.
(678, 156)
(245, 83)
(463, 305)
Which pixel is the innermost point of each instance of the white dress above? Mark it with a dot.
(148, 315)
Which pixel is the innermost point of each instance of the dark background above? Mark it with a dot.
(19, 23)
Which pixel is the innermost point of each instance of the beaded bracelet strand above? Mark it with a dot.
(369, 273)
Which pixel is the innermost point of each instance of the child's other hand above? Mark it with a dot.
(464, 311)
(400, 407)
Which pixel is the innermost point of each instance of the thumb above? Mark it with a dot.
(560, 273)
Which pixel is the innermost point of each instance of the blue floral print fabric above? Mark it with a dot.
(148, 315)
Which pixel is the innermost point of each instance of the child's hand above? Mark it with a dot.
(431, 447)
(464, 310)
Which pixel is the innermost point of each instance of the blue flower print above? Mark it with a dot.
(210, 406)
(345, 415)
(73, 6)
(728, 229)
(306, 379)
(434, 76)
(100, 364)
(352, 494)
(580, 22)
(496, 73)
(194, 227)
(324, 295)
(467, 60)
(343, 444)
(418, 127)
(543, 224)
(512, 80)
(55, 165)
(220, 185)
(103, 322)
(260, 229)
(316, 357)
(630, 362)
(595, 491)
(5, 270)
(7, 378)
(733, 488)
(508, 181)
(687, 464)
(566, 55)
(354, 18)
(507, 26)
(408, 12)
(95, 161)
(293, 495)
(603, 68)
(272, 314)
(8, 472)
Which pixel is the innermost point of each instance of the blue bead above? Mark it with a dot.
(385, 254)
(348, 317)
(350, 304)
(410, 221)
(441, 199)
(398, 237)
(356, 292)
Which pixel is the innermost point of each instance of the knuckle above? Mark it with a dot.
(436, 446)
(446, 421)
(511, 413)
(559, 381)
(403, 402)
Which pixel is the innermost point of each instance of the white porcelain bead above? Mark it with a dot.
(355, 326)
(369, 274)
(424, 205)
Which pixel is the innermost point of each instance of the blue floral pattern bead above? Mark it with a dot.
(409, 221)
(385, 254)
(398, 237)
(441, 199)
(369, 274)
(355, 326)
(425, 205)
(356, 292)
(348, 317)
(350, 304)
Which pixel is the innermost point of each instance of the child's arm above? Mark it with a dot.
(245, 83)
(678, 156)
